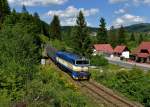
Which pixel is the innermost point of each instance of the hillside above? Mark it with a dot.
(142, 27)
(65, 28)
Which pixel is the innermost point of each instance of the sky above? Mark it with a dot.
(115, 12)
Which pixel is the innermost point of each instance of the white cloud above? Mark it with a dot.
(138, 2)
(71, 11)
(68, 21)
(126, 5)
(134, 2)
(120, 11)
(128, 19)
(68, 16)
(36, 2)
(117, 1)
(147, 1)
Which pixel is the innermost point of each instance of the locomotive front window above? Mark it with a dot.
(82, 62)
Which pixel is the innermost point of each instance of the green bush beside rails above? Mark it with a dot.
(134, 83)
(98, 61)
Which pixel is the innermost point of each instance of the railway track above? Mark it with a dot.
(109, 99)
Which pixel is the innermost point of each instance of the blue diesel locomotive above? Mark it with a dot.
(76, 66)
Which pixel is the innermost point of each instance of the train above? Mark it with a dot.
(76, 66)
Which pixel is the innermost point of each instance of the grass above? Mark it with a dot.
(108, 68)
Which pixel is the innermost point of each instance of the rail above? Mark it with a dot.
(108, 97)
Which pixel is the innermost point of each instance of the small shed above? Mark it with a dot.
(122, 51)
(105, 49)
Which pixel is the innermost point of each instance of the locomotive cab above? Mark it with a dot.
(81, 65)
(82, 69)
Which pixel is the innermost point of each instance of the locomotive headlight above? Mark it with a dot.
(85, 68)
(75, 77)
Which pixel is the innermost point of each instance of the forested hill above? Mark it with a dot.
(142, 27)
(65, 28)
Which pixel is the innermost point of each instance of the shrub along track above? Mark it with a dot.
(106, 95)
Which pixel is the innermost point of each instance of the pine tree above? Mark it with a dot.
(24, 10)
(1, 12)
(121, 36)
(36, 15)
(140, 38)
(4, 9)
(1, 6)
(81, 40)
(55, 28)
(132, 38)
(102, 32)
(112, 37)
(38, 22)
(14, 11)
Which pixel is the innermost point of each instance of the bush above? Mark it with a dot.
(49, 88)
(132, 83)
(98, 61)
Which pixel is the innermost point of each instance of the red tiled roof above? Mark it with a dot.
(143, 55)
(107, 48)
(143, 45)
(119, 49)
